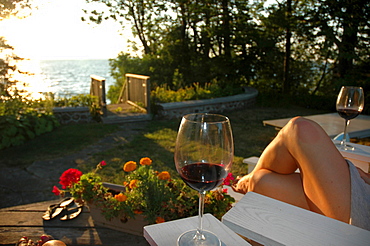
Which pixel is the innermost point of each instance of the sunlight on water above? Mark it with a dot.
(64, 78)
(31, 79)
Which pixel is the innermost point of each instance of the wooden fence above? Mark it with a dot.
(136, 91)
(97, 88)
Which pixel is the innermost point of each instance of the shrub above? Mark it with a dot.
(15, 130)
(163, 94)
(22, 119)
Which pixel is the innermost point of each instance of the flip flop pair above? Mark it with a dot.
(72, 212)
(68, 206)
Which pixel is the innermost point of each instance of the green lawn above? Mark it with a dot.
(65, 139)
(156, 141)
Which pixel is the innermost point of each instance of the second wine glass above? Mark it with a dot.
(203, 156)
(350, 103)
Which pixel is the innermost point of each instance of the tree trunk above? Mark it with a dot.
(346, 48)
(287, 82)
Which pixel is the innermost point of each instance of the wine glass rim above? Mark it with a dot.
(352, 87)
(218, 118)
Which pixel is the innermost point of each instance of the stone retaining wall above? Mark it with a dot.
(72, 115)
(218, 105)
(76, 115)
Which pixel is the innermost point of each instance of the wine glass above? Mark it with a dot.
(204, 153)
(350, 103)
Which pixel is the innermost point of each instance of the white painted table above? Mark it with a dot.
(271, 222)
(333, 124)
(360, 157)
(167, 233)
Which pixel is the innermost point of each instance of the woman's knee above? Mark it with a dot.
(258, 181)
(303, 130)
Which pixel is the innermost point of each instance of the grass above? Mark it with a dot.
(65, 139)
(156, 141)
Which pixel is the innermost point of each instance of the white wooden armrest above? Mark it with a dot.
(252, 162)
(164, 234)
(271, 222)
(360, 157)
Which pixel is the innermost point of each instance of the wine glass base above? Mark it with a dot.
(188, 239)
(345, 147)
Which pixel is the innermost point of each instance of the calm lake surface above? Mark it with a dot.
(63, 77)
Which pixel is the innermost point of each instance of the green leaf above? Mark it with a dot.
(11, 131)
(30, 134)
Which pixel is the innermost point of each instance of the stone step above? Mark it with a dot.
(126, 118)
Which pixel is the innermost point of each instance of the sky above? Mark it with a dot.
(55, 31)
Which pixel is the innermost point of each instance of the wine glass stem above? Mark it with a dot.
(199, 235)
(344, 141)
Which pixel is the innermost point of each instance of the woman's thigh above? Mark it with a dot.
(283, 187)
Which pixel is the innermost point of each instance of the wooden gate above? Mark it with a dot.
(97, 88)
(136, 91)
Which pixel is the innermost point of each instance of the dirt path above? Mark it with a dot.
(20, 186)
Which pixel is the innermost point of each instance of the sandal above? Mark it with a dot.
(55, 209)
(71, 213)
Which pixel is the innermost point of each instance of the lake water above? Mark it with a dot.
(63, 77)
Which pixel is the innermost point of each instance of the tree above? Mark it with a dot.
(147, 18)
(344, 25)
(8, 8)
(288, 16)
(12, 7)
(292, 46)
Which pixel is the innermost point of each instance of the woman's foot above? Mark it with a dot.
(241, 184)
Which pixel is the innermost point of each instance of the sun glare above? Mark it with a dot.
(31, 82)
(55, 31)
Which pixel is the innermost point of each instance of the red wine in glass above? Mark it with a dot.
(203, 176)
(350, 103)
(204, 152)
(348, 114)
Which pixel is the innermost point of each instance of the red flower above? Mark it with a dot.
(69, 177)
(159, 220)
(229, 179)
(103, 163)
(56, 191)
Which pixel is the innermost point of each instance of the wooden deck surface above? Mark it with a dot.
(333, 124)
(26, 220)
(120, 109)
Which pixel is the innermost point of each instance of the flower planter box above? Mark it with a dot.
(132, 226)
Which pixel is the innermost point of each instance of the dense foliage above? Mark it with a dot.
(22, 119)
(291, 47)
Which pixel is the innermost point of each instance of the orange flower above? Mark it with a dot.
(125, 183)
(120, 197)
(145, 161)
(159, 220)
(129, 166)
(133, 183)
(137, 211)
(164, 175)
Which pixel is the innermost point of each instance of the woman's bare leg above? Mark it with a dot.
(284, 187)
(323, 185)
